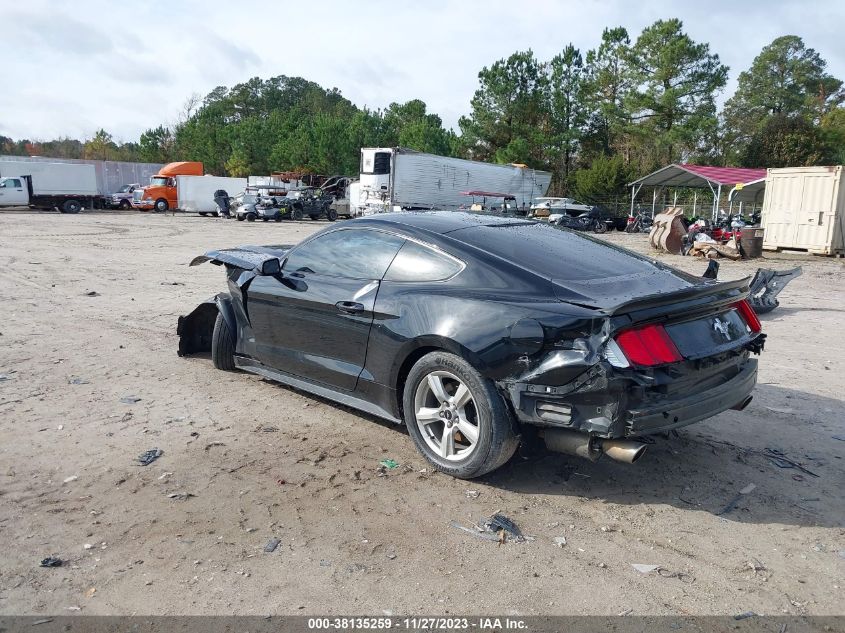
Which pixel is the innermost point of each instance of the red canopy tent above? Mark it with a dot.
(685, 175)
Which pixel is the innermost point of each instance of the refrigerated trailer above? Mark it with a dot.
(396, 178)
(63, 186)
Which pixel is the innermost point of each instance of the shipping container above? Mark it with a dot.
(804, 209)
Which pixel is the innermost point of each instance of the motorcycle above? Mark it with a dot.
(640, 223)
(592, 220)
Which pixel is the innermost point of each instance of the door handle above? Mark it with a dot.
(349, 307)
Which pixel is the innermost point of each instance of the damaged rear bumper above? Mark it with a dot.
(608, 404)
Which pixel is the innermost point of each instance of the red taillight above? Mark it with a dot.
(747, 312)
(631, 219)
(648, 346)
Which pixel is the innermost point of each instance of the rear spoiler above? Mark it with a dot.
(245, 257)
(702, 298)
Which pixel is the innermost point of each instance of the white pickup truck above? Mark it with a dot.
(63, 186)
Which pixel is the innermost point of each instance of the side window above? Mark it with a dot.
(13, 183)
(418, 263)
(353, 253)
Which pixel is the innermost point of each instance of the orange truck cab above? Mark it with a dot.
(161, 195)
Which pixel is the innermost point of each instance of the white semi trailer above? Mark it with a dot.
(64, 186)
(395, 178)
(196, 193)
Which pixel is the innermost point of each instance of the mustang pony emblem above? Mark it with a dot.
(721, 327)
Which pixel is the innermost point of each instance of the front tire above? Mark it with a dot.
(331, 214)
(222, 345)
(456, 417)
(161, 205)
(296, 214)
(250, 217)
(124, 204)
(600, 227)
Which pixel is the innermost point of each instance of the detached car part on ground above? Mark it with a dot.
(476, 330)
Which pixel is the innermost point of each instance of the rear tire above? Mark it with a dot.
(222, 345)
(296, 214)
(71, 206)
(600, 227)
(331, 214)
(484, 414)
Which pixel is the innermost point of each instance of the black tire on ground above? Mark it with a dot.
(296, 213)
(600, 227)
(632, 228)
(71, 206)
(265, 219)
(222, 345)
(278, 218)
(239, 218)
(331, 214)
(203, 213)
(161, 205)
(125, 204)
(314, 216)
(250, 217)
(497, 440)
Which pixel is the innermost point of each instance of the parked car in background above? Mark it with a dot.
(122, 198)
(476, 331)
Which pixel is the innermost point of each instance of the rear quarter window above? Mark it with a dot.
(415, 262)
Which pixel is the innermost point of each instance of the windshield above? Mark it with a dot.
(123, 189)
(158, 181)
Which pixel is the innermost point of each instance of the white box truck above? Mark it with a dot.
(63, 186)
(395, 178)
(804, 209)
(195, 194)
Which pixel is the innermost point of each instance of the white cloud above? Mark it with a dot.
(130, 66)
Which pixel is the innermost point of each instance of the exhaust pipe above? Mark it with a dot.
(739, 406)
(623, 450)
(583, 445)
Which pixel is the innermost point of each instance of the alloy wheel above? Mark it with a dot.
(446, 415)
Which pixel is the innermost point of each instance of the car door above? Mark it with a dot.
(13, 192)
(314, 320)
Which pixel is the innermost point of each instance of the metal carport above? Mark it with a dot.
(685, 175)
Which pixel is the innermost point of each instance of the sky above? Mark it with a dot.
(74, 67)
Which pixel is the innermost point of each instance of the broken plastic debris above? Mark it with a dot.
(272, 544)
(504, 523)
(388, 463)
(644, 569)
(51, 561)
(747, 489)
(472, 494)
(67, 480)
(130, 399)
(560, 541)
(743, 616)
(76, 380)
(148, 457)
(181, 496)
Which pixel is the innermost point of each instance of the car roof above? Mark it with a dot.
(438, 222)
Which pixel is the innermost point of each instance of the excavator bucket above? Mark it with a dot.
(667, 232)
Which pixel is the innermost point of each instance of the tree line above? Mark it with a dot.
(596, 120)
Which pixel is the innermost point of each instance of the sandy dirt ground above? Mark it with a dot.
(262, 461)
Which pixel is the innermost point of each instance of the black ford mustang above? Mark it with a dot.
(470, 328)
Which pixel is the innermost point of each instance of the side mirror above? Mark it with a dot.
(271, 267)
